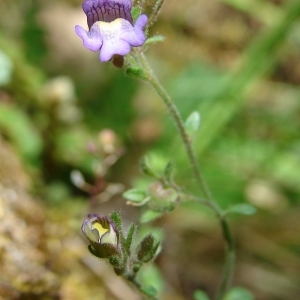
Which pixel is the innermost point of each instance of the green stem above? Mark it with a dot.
(150, 77)
(229, 260)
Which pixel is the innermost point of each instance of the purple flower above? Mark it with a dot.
(102, 234)
(111, 28)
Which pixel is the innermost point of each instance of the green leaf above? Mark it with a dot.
(135, 72)
(145, 248)
(239, 293)
(6, 69)
(200, 295)
(135, 195)
(128, 241)
(154, 249)
(150, 215)
(192, 123)
(146, 167)
(149, 291)
(18, 127)
(116, 218)
(169, 170)
(243, 209)
(155, 39)
(150, 275)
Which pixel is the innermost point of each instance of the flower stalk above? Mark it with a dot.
(152, 79)
(148, 75)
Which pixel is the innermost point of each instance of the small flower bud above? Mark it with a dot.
(114, 261)
(102, 234)
(147, 249)
(136, 267)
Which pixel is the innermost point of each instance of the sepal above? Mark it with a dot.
(147, 248)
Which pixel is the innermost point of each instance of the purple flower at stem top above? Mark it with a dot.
(111, 28)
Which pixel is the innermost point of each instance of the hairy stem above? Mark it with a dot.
(150, 77)
(229, 260)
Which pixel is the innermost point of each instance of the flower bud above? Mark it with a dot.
(102, 234)
(147, 249)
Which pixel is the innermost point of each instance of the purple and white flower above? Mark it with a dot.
(111, 28)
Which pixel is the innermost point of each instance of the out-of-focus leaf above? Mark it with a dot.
(243, 209)
(150, 291)
(135, 195)
(146, 167)
(192, 123)
(200, 295)
(6, 68)
(19, 129)
(151, 276)
(150, 215)
(155, 39)
(169, 170)
(239, 293)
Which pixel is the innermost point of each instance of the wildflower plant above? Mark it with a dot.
(118, 29)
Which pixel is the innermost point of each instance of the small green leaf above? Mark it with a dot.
(155, 39)
(16, 125)
(135, 195)
(144, 249)
(243, 209)
(149, 291)
(169, 170)
(150, 215)
(136, 267)
(239, 293)
(146, 167)
(192, 123)
(116, 218)
(6, 69)
(135, 72)
(200, 295)
(154, 249)
(128, 241)
(150, 275)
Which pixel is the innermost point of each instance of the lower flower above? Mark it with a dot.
(102, 234)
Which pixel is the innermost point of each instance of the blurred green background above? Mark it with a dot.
(236, 62)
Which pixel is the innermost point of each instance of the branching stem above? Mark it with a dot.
(150, 77)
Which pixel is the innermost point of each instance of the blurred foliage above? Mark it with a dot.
(236, 62)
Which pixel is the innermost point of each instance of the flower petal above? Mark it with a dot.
(135, 36)
(106, 10)
(118, 36)
(112, 44)
(89, 231)
(110, 237)
(91, 39)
